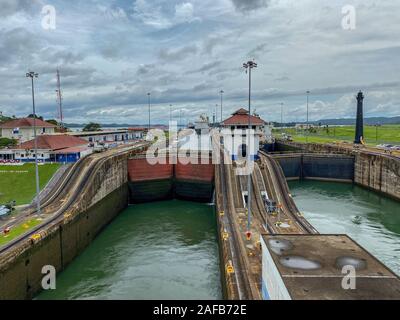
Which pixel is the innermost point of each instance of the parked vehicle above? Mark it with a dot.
(387, 146)
(4, 211)
(98, 149)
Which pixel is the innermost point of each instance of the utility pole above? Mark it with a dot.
(148, 95)
(33, 75)
(307, 128)
(59, 99)
(248, 66)
(221, 93)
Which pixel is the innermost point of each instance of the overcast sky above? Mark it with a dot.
(111, 53)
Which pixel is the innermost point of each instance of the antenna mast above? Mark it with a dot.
(59, 99)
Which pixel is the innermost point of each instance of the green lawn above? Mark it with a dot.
(18, 182)
(18, 230)
(372, 135)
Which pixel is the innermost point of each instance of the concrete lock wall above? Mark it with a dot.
(104, 197)
(318, 167)
(151, 182)
(378, 172)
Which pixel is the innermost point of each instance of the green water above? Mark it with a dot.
(159, 250)
(369, 218)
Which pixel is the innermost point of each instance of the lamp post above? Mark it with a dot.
(249, 66)
(282, 116)
(170, 112)
(221, 93)
(33, 75)
(148, 95)
(308, 94)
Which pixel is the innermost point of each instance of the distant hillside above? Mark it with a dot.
(367, 121)
(103, 125)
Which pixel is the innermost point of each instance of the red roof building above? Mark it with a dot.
(241, 118)
(51, 148)
(26, 123)
(239, 122)
(22, 129)
(53, 142)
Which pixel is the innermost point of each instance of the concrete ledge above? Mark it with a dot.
(20, 274)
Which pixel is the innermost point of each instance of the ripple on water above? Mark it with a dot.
(369, 218)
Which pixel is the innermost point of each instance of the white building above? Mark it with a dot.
(240, 121)
(22, 129)
(110, 137)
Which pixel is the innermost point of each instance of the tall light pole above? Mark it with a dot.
(248, 66)
(59, 99)
(170, 112)
(217, 124)
(282, 116)
(308, 95)
(33, 75)
(148, 95)
(221, 93)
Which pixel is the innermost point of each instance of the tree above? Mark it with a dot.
(37, 117)
(4, 118)
(6, 142)
(53, 121)
(92, 126)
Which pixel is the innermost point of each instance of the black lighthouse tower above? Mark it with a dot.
(360, 121)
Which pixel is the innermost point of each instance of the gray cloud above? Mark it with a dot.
(178, 54)
(283, 78)
(248, 5)
(10, 7)
(207, 66)
(18, 44)
(145, 69)
(257, 51)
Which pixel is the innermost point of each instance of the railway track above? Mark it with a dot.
(282, 191)
(239, 254)
(65, 193)
(239, 265)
